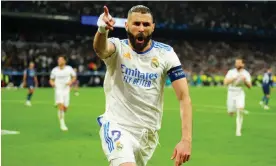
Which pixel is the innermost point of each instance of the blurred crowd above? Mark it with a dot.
(197, 57)
(248, 15)
(17, 54)
(217, 57)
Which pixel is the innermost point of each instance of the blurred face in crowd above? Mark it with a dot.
(239, 64)
(31, 65)
(61, 61)
(269, 70)
(139, 27)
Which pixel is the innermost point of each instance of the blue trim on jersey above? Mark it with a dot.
(99, 121)
(176, 73)
(152, 45)
(162, 45)
(108, 140)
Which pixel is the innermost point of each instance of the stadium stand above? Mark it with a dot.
(200, 57)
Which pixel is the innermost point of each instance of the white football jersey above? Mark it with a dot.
(238, 84)
(134, 83)
(62, 77)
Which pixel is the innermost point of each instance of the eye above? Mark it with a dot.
(137, 23)
(146, 24)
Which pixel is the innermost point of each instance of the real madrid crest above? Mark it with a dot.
(119, 146)
(154, 62)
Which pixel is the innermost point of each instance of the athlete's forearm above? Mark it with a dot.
(186, 118)
(24, 78)
(248, 84)
(72, 81)
(52, 82)
(100, 45)
(228, 81)
(36, 81)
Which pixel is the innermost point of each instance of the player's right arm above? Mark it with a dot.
(101, 45)
(52, 78)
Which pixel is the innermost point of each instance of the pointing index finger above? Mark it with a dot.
(106, 12)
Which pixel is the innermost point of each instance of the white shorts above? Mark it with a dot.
(235, 100)
(62, 97)
(122, 145)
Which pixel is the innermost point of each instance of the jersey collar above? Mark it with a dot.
(152, 45)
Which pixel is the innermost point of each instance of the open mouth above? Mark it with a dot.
(140, 40)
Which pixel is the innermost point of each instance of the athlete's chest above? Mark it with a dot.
(62, 73)
(141, 70)
(236, 73)
(31, 73)
(151, 62)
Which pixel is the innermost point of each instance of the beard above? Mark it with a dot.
(239, 67)
(141, 37)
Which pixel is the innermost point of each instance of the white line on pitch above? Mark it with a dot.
(197, 108)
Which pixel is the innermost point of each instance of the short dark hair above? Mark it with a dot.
(140, 9)
(240, 58)
(62, 56)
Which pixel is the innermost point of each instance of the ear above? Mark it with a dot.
(126, 26)
(153, 27)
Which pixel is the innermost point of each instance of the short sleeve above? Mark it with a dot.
(174, 68)
(53, 74)
(112, 58)
(25, 72)
(228, 75)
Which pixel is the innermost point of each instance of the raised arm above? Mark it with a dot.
(101, 45)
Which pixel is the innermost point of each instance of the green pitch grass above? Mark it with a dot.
(41, 143)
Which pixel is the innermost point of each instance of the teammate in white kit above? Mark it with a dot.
(62, 77)
(134, 83)
(236, 79)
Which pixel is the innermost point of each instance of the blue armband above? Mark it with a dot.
(176, 73)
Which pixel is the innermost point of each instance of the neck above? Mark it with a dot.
(61, 67)
(240, 69)
(145, 49)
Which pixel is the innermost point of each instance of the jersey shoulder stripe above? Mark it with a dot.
(162, 46)
(124, 41)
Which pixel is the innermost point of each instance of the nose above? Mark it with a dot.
(141, 28)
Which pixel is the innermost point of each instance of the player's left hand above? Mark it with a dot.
(182, 152)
